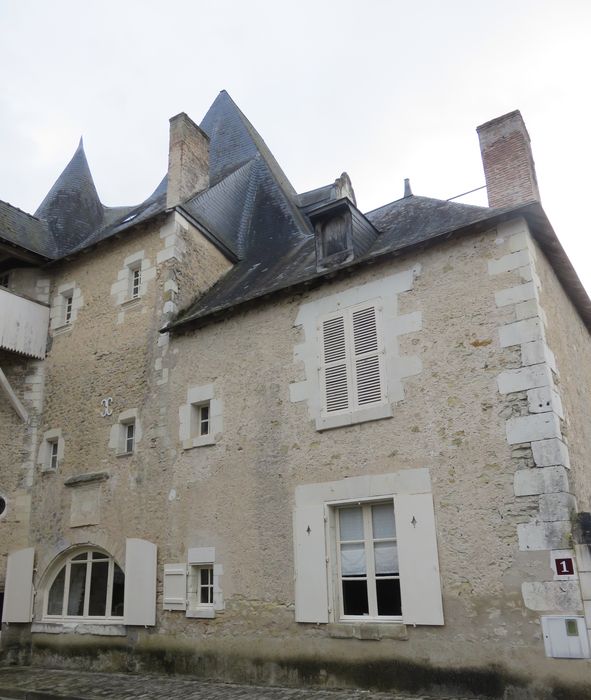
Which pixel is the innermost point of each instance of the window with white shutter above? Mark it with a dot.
(352, 360)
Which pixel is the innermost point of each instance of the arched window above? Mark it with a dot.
(89, 584)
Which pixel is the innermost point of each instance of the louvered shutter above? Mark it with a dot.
(335, 371)
(367, 357)
(174, 596)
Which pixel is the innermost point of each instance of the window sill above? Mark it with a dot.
(124, 454)
(374, 630)
(203, 613)
(201, 441)
(48, 470)
(63, 329)
(104, 629)
(131, 303)
(325, 422)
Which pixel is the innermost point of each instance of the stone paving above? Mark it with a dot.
(47, 684)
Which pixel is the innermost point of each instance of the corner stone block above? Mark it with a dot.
(555, 596)
(520, 332)
(538, 536)
(557, 506)
(585, 581)
(524, 378)
(544, 399)
(516, 295)
(583, 553)
(513, 261)
(549, 453)
(533, 482)
(529, 428)
(537, 352)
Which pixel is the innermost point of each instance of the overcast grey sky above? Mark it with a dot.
(382, 89)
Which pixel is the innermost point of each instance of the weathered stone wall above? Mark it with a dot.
(14, 448)
(237, 495)
(570, 341)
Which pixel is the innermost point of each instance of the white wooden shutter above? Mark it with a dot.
(311, 581)
(18, 591)
(367, 360)
(175, 587)
(335, 365)
(417, 553)
(140, 582)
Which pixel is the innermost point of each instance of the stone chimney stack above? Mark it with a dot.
(188, 160)
(508, 162)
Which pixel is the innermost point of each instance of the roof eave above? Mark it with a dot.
(542, 232)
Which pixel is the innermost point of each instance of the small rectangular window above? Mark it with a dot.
(68, 308)
(129, 437)
(53, 459)
(204, 419)
(200, 587)
(135, 283)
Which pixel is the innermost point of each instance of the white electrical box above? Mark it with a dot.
(565, 636)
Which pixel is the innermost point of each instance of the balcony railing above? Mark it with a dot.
(23, 324)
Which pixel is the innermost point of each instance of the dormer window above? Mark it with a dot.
(333, 225)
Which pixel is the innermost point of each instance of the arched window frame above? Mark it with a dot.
(65, 563)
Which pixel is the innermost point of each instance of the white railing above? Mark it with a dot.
(23, 324)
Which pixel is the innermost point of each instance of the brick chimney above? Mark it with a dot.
(188, 160)
(508, 162)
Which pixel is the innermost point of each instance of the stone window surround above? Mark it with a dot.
(397, 367)
(50, 437)
(121, 290)
(117, 434)
(5, 499)
(197, 558)
(198, 396)
(57, 312)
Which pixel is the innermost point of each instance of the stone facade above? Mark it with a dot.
(480, 412)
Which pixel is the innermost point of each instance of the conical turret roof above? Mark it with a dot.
(72, 207)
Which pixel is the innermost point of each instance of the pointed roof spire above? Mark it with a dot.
(72, 207)
(407, 190)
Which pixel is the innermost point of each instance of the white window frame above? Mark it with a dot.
(135, 280)
(51, 451)
(182, 585)
(369, 542)
(120, 433)
(317, 582)
(66, 562)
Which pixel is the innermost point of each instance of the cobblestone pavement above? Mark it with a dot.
(45, 684)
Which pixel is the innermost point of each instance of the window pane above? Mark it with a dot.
(383, 521)
(386, 558)
(353, 559)
(80, 557)
(351, 523)
(388, 595)
(118, 586)
(97, 602)
(355, 598)
(77, 588)
(98, 555)
(55, 599)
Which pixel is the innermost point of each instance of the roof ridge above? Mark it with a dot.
(22, 211)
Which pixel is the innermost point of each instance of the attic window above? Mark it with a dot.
(334, 235)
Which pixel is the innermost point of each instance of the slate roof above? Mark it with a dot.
(253, 214)
(26, 231)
